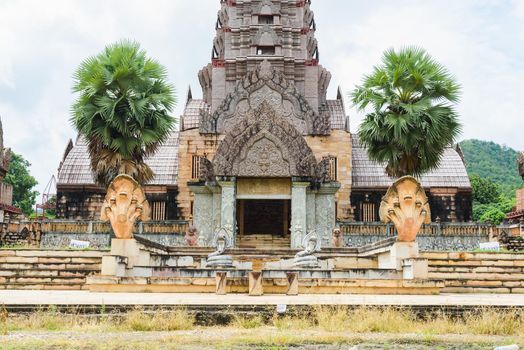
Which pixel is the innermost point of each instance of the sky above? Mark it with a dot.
(481, 42)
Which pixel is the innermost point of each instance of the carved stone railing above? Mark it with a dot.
(179, 227)
(71, 226)
(445, 229)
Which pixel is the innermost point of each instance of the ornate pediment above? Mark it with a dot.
(266, 84)
(267, 7)
(266, 36)
(264, 144)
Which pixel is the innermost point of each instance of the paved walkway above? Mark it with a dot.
(27, 297)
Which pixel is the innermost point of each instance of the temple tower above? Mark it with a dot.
(264, 154)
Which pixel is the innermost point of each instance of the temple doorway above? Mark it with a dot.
(264, 223)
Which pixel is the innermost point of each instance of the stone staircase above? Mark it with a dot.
(48, 269)
(477, 272)
(264, 241)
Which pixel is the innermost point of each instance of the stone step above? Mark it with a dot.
(31, 266)
(264, 241)
(43, 281)
(60, 260)
(41, 286)
(471, 256)
(473, 263)
(480, 269)
(47, 273)
(478, 290)
(477, 276)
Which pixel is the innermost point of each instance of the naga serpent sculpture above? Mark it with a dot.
(125, 203)
(406, 205)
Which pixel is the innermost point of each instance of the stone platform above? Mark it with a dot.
(26, 298)
(386, 267)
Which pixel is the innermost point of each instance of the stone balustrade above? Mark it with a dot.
(446, 229)
(58, 233)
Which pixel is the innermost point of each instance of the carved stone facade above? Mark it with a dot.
(264, 144)
(266, 84)
(265, 117)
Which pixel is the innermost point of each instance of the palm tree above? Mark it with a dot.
(122, 110)
(412, 117)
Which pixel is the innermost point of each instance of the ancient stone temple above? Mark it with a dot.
(264, 154)
(271, 154)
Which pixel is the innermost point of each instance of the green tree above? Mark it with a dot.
(485, 191)
(122, 110)
(493, 215)
(24, 197)
(496, 162)
(412, 118)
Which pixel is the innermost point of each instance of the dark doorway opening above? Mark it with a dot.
(264, 217)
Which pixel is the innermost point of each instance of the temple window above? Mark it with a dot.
(158, 210)
(266, 19)
(367, 212)
(195, 167)
(265, 50)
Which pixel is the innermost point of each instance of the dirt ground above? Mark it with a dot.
(239, 339)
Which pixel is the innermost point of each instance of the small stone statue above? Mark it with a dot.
(305, 258)
(191, 237)
(406, 205)
(221, 241)
(125, 203)
(337, 241)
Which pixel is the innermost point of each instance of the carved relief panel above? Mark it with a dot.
(263, 157)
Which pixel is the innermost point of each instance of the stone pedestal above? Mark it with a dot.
(221, 283)
(415, 268)
(125, 254)
(255, 283)
(292, 283)
(298, 213)
(399, 251)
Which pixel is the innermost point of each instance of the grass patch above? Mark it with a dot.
(172, 320)
(247, 322)
(328, 320)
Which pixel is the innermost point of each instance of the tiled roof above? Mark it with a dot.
(338, 114)
(191, 117)
(368, 174)
(76, 170)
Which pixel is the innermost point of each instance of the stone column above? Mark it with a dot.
(298, 213)
(203, 213)
(325, 211)
(228, 207)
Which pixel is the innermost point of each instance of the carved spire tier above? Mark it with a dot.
(251, 31)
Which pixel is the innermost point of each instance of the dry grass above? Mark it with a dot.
(174, 320)
(136, 320)
(326, 319)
